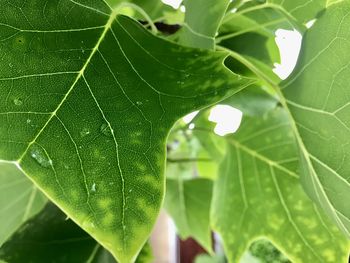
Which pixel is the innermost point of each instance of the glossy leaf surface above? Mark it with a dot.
(87, 98)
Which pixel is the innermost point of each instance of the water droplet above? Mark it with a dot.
(106, 130)
(41, 158)
(93, 188)
(84, 132)
(18, 102)
(139, 103)
(130, 190)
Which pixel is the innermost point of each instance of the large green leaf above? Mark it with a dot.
(52, 237)
(202, 20)
(188, 203)
(302, 10)
(258, 193)
(318, 98)
(87, 98)
(252, 101)
(19, 200)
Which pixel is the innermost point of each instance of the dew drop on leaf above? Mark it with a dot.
(18, 101)
(84, 132)
(93, 188)
(40, 157)
(105, 129)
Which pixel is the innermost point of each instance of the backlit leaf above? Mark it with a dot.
(188, 203)
(202, 20)
(19, 200)
(258, 194)
(318, 98)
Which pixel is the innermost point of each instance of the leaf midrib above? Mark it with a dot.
(261, 157)
(79, 76)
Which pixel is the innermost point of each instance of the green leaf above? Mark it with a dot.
(317, 96)
(202, 20)
(302, 10)
(252, 101)
(267, 252)
(19, 200)
(188, 203)
(252, 33)
(52, 237)
(202, 258)
(87, 98)
(258, 194)
(155, 9)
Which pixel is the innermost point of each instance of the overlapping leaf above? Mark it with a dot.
(188, 203)
(318, 98)
(202, 21)
(87, 98)
(302, 10)
(19, 200)
(52, 237)
(258, 194)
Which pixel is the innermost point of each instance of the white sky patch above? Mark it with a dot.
(310, 23)
(174, 3)
(188, 118)
(228, 119)
(289, 43)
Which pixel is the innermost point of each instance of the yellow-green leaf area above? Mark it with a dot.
(258, 194)
(317, 95)
(87, 98)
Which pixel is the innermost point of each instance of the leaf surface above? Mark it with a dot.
(302, 10)
(52, 237)
(258, 194)
(202, 20)
(19, 200)
(87, 98)
(188, 203)
(318, 97)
